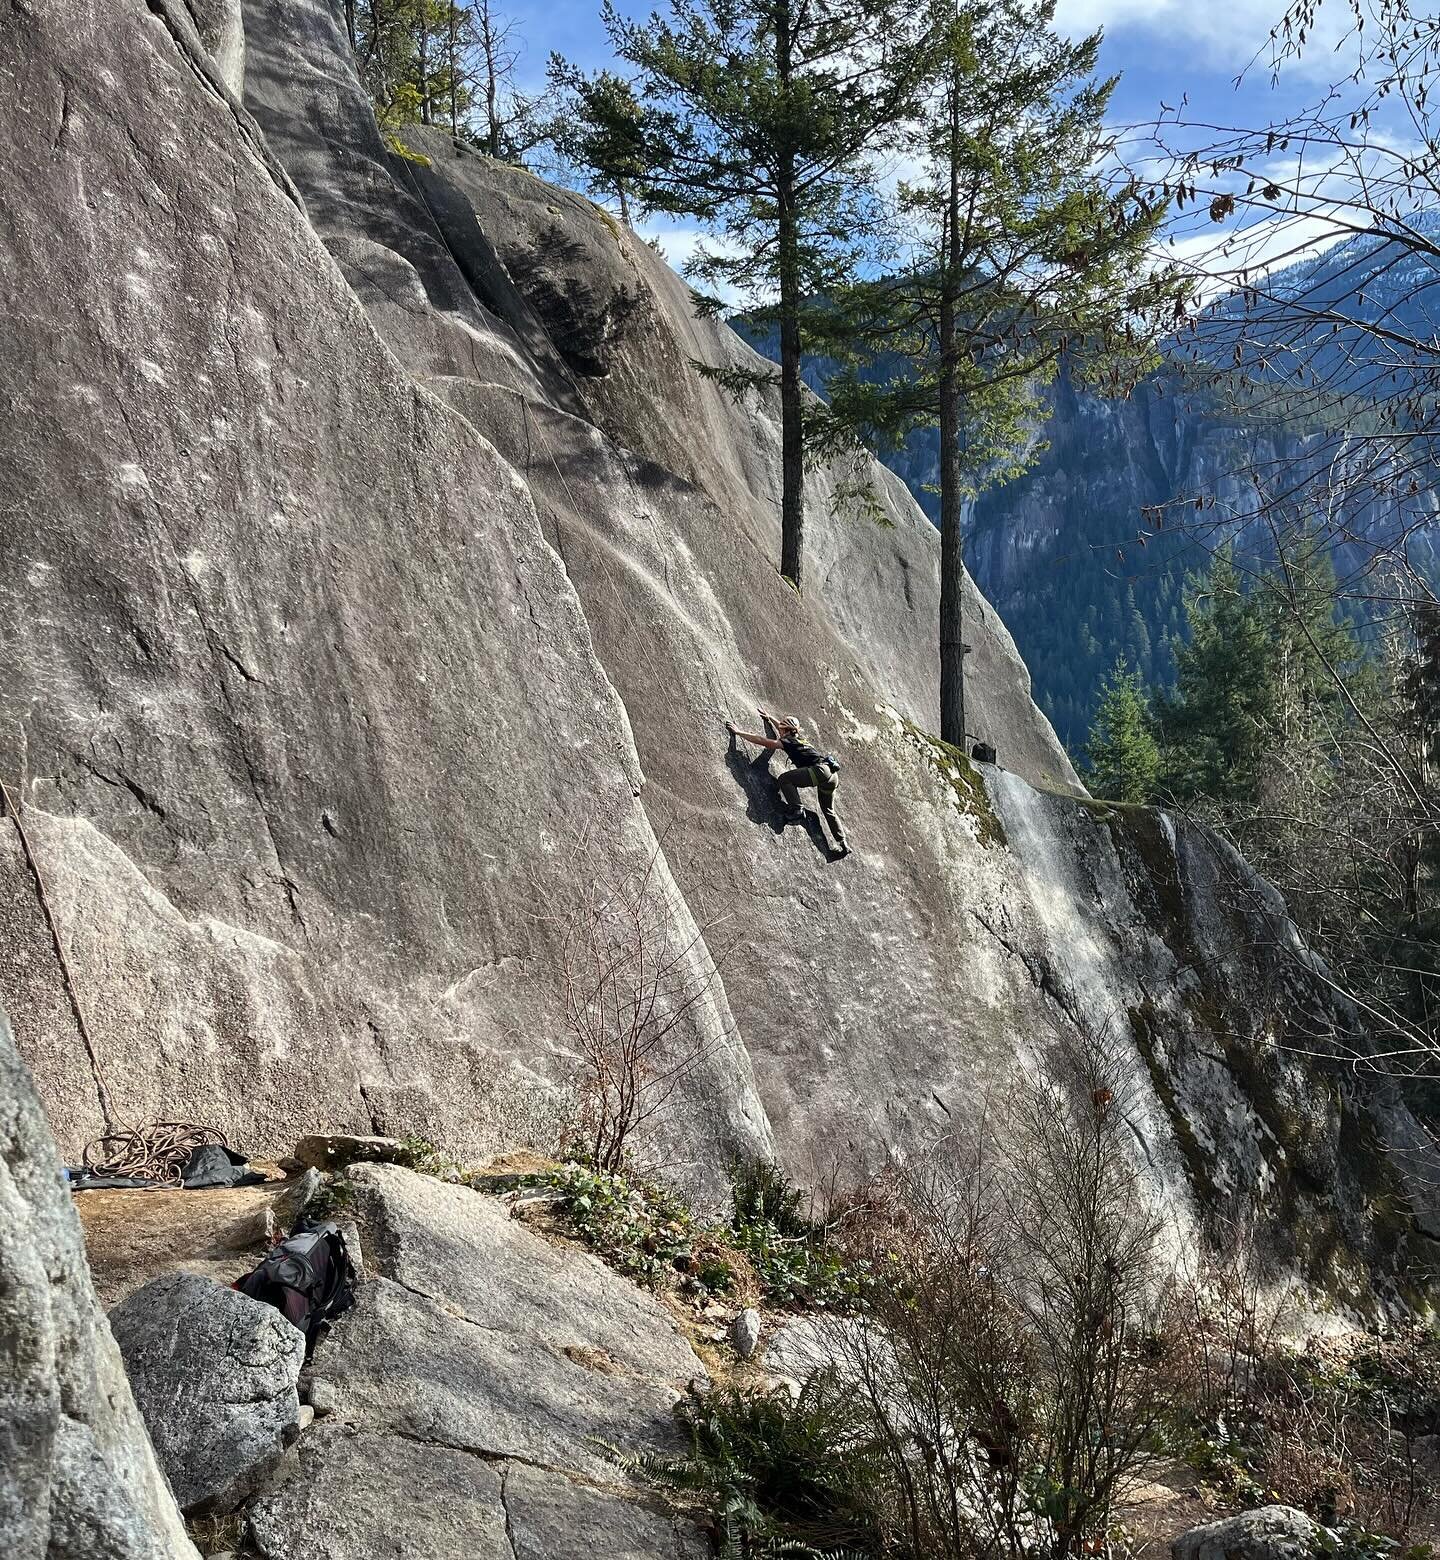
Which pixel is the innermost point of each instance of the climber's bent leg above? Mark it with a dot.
(827, 788)
(789, 784)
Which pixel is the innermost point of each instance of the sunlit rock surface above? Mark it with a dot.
(382, 564)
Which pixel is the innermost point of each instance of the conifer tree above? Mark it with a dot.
(1017, 251)
(1122, 753)
(1221, 718)
(762, 117)
(449, 62)
(599, 129)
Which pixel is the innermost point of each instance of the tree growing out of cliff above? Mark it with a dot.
(638, 976)
(762, 121)
(1123, 757)
(450, 62)
(599, 130)
(1017, 249)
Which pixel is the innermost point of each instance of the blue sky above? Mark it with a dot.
(1161, 50)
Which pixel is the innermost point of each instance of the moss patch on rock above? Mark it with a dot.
(956, 770)
(394, 144)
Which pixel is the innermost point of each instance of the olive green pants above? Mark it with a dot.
(825, 785)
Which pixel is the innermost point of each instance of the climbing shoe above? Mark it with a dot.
(839, 852)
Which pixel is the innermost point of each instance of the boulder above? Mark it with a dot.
(377, 1494)
(476, 1390)
(336, 1150)
(407, 1365)
(215, 1375)
(1269, 1533)
(78, 1478)
(475, 1333)
(387, 1495)
(462, 1249)
(745, 1332)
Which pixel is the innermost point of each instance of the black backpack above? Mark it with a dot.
(308, 1277)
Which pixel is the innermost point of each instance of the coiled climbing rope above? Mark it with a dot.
(157, 1152)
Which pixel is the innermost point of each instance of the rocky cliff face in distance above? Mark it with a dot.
(379, 566)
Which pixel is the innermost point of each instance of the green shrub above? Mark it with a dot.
(782, 1476)
(637, 1226)
(795, 1270)
(763, 1194)
(422, 1156)
(792, 1255)
(647, 1231)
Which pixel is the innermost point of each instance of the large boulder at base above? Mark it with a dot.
(467, 1404)
(387, 1495)
(78, 1480)
(1270, 1533)
(215, 1375)
(477, 1334)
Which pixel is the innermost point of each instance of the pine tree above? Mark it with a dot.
(1122, 753)
(599, 130)
(761, 118)
(1016, 252)
(1219, 724)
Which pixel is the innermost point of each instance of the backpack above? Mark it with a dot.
(308, 1277)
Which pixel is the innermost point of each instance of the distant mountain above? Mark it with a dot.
(1056, 551)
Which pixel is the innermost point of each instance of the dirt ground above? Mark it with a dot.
(130, 1236)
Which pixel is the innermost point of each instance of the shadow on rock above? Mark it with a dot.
(762, 798)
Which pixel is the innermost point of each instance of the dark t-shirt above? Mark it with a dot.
(801, 754)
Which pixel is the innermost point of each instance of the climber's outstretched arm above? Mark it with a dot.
(750, 736)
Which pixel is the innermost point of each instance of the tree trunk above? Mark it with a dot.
(422, 68)
(350, 25)
(492, 103)
(624, 202)
(792, 437)
(952, 557)
(452, 64)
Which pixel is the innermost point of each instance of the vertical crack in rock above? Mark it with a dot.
(505, 1509)
(199, 66)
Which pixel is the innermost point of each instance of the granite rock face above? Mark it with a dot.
(214, 1373)
(384, 564)
(78, 1478)
(473, 1393)
(306, 764)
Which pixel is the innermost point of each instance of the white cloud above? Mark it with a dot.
(1230, 33)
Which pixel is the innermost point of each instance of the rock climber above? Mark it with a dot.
(811, 767)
